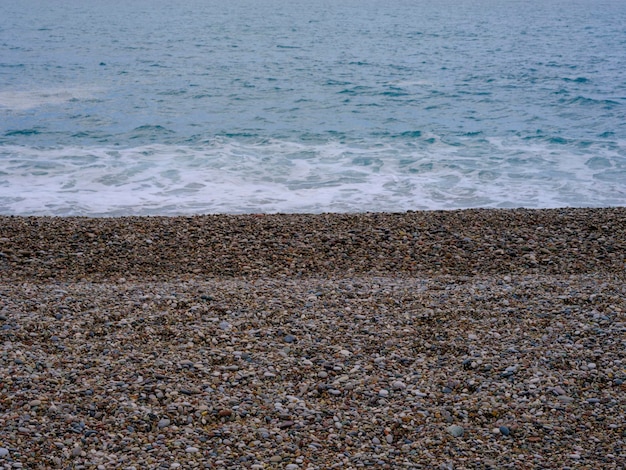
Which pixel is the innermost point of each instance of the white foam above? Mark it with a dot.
(226, 176)
(16, 100)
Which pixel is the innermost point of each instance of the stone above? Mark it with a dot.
(398, 385)
(456, 431)
(4, 452)
(163, 423)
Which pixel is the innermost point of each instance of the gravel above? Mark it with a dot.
(463, 339)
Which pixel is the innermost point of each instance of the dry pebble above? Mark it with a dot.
(420, 340)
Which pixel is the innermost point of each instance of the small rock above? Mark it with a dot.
(383, 393)
(276, 458)
(565, 399)
(192, 450)
(3, 452)
(389, 439)
(224, 325)
(398, 385)
(504, 430)
(456, 431)
(291, 466)
(76, 451)
(376, 441)
(163, 423)
(289, 339)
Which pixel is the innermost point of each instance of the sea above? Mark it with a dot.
(161, 107)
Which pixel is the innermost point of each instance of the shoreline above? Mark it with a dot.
(462, 339)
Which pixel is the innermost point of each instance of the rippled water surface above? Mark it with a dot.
(204, 106)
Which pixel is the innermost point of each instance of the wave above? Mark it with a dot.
(235, 175)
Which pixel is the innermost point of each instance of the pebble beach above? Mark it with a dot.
(449, 340)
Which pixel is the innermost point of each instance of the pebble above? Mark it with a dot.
(192, 450)
(402, 308)
(398, 385)
(456, 431)
(163, 423)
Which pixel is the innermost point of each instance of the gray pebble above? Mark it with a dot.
(398, 385)
(289, 339)
(163, 423)
(456, 431)
(4, 452)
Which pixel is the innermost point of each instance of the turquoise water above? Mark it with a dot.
(200, 106)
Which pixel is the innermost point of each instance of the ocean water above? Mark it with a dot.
(243, 106)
